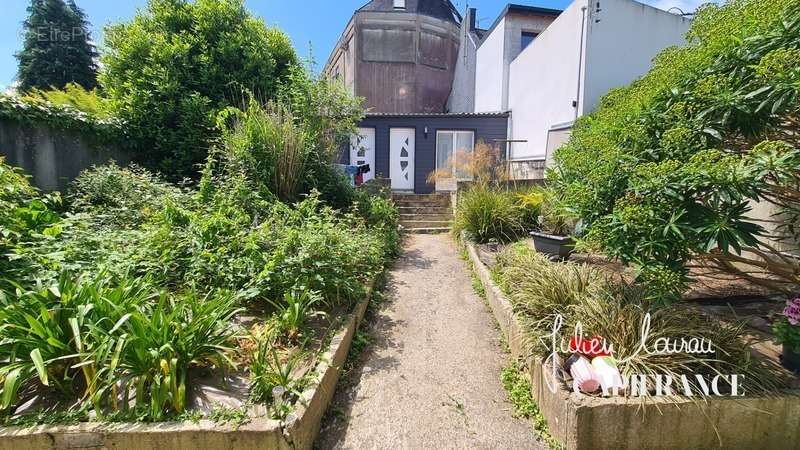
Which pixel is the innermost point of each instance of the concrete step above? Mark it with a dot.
(426, 216)
(422, 203)
(438, 230)
(406, 210)
(418, 223)
(400, 196)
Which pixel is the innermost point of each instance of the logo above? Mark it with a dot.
(594, 367)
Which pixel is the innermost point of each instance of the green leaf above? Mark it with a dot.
(36, 357)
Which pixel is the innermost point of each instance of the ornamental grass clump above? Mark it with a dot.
(486, 213)
(540, 290)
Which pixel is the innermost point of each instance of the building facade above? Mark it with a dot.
(591, 48)
(399, 55)
(462, 95)
(407, 148)
(516, 28)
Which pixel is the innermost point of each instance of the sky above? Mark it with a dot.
(313, 25)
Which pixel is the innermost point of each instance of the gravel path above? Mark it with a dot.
(430, 376)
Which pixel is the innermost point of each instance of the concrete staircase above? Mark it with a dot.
(424, 213)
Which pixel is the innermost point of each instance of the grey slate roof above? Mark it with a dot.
(440, 9)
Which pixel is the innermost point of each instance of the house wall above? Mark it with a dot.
(495, 54)
(53, 157)
(462, 96)
(487, 129)
(341, 64)
(543, 83)
(489, 71)
(632, 34)
(621, 39)
(405, 61)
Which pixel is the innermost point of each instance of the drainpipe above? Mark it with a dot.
(580, 62)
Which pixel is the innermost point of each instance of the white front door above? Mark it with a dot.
(362, 150)
(401, 158)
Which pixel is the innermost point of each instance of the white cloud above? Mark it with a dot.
(686, 6)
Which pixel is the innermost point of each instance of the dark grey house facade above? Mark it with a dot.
(407, 148)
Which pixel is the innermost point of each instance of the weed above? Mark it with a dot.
(519, 393)
(223, 415)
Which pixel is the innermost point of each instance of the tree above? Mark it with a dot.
(57, 48)
(171, 69)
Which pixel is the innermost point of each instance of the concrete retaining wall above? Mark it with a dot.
(298, 432)
(589, 423)
(53, 157)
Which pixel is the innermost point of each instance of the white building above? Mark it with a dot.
(515, 29)
(592, 47)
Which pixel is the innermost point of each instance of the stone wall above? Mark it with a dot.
(53, 157)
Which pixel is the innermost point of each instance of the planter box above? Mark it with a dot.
(791, 360)
(582, 422)
(549, 244)
(298, 431)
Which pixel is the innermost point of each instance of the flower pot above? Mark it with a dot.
(558, 246)
(791, 360)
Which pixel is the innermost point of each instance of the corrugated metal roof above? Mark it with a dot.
(448, 115)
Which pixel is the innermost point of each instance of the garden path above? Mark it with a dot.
(430, 375)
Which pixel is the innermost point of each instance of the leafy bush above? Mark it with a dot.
(73, 96)
(667, 169)
(24, 213)
(382, 215)
(539, 290)
(125, 197)
(91, 337)
(177, 63)
(314, 250)
(62, 116)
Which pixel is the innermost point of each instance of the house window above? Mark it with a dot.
(453, 151)
(527, 38)
(399, 4)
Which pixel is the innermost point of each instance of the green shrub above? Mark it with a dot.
(84, 337)
(125, 197)
(314, 250)
(266, 145)
(177, 63)
(666, 169)
(486, 213)
(24, 215)
(73, 96)
(380, 214)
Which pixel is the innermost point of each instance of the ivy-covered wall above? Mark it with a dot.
(54, 156)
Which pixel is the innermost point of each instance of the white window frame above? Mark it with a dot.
(399, 4)
(454, 134)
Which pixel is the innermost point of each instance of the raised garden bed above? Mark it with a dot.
(583, 422)
(298, 431)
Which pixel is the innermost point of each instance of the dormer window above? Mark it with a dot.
(399, 4)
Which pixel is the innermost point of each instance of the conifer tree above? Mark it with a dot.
(57, 47)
